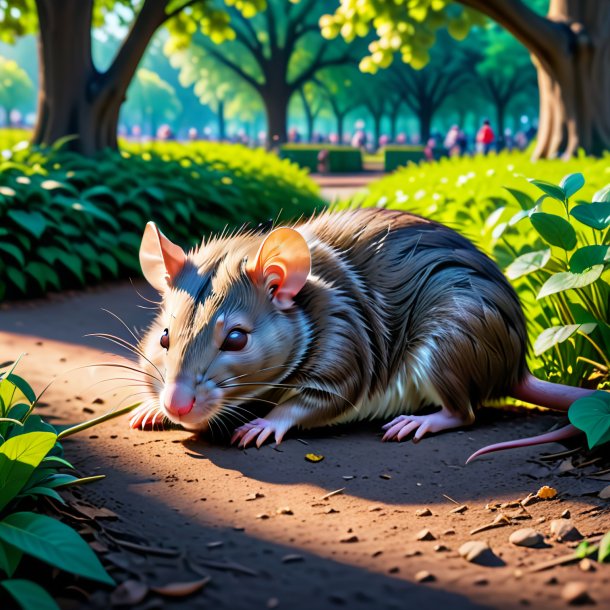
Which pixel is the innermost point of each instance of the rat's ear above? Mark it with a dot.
(282, 264)
(160, 259)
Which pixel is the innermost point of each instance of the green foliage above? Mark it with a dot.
(556, 259)
(591, 414)
(69, 221)
(406, 27)
(340, 158)
(16, 87)
(30, 462)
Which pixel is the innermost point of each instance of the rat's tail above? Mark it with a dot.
(546, 394)
(550, 437)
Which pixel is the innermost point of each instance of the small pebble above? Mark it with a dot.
(478, 552)
(480, 582)
(424, 576)
(284, 511)
(262, 516)
(531, 499)
(273, 602)
(459, 509)
(413, 553)
(566, 514)
(449, 532)
(348, 477)
(387, 477)
(552, 580)
(526, 537)
(423, 512)
(394, 570)
(254, 496)
(576, 593)
(347, 539)
(330, 510)
(564, 530)
(214, 545)
(586, 565)
(439, 548)
(376, 553)
(375, 508)
(425, 534)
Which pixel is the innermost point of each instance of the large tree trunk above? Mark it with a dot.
(571, 51)
(74, 98)
(276, 109)
(574, 82)
(425, 123)
(340, 118)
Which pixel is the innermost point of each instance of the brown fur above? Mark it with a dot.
(390, 296)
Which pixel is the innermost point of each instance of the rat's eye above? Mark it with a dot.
(235, 341)
(164, 341)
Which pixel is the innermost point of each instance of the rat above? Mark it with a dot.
(352, 315)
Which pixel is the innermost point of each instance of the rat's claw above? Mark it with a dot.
(260, 430)
(403, 425)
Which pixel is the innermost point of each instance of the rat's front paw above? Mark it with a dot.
(259, 430)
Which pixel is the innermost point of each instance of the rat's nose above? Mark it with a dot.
(178, 398)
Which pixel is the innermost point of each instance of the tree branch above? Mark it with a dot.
(225, 61)
(250, 40)
(541, 36)
(318, 63)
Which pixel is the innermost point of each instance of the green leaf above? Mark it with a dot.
(14, 251)
(9, 558)
(39, 490)
(43, 274)
(33, 222)
(18, 278)
(591, 414)
(528, 263)
(603, 554)
(603, 194)
(523, 199)
(571, 184)
(19, 456)
(53, 542)
(589, 256)
(23, 386)
(595, 215)
(554, 230)
(568, 280)
(552, 190)
(554, 335)
(29, 595)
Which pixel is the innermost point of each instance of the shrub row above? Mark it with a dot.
(68, 221)
(335, 159)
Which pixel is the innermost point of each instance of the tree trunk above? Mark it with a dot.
(425, 122)
(376, 130)
(220, 115)
(500, 111)
(574, 82)
(340, 118)
(75, 99)
(393, 125)
(571, 52)
(276, 109)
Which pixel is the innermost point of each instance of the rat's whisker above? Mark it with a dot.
(123, 366)
(114, 315)
(128, 346)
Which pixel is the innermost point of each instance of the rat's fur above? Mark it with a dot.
(398, 313)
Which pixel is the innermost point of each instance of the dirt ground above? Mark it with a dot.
(263, 523)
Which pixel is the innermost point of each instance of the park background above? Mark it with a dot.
(207, 114)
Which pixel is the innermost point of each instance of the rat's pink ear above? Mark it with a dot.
(282, 264)
(160, 259)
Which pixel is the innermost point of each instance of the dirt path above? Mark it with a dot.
(265, 509)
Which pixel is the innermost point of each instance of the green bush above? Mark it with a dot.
(484, 198)
(31, 461)
(399, 156)
(69, 221)
(340, 158)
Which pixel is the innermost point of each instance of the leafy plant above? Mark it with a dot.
(31, 458)
(68, 221)
(567, 277)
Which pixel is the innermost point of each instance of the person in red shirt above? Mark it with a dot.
(485, 138)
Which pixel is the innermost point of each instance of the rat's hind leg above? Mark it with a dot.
(403, 425)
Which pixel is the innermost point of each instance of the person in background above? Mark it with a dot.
(485, 138)
(429, 149)
(451, 141)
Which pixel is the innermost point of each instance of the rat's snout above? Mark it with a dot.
(178, 398)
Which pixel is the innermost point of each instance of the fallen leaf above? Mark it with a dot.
(129, 593)
(546, 493)
(181, 589)
(313, 457)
